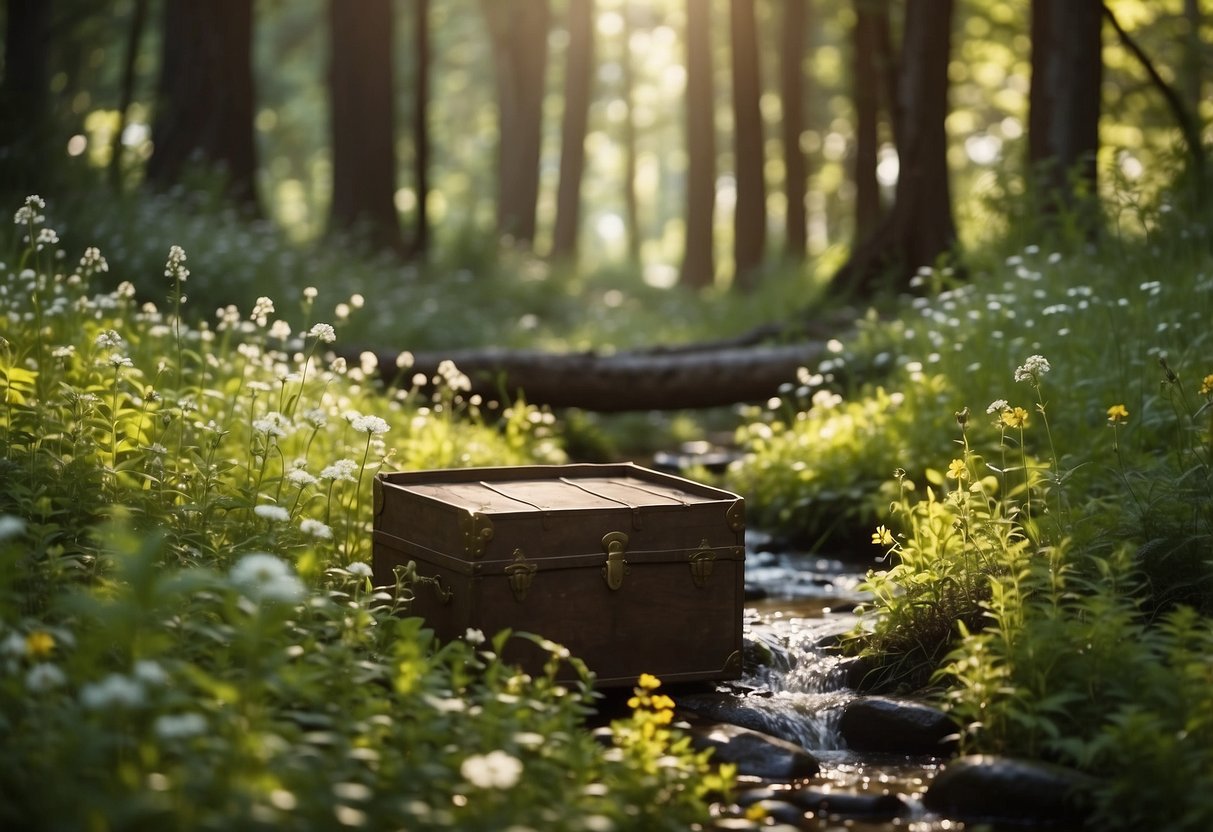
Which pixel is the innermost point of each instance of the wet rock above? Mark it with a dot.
(755, 754)
(1006, 790)
(897, 726)
(756, 712)
(872, 807)
(849, 804)
(781, 812)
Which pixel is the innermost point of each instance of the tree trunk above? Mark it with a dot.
(362, 123)
(126, 92)
(1064, 102)
(631, 205)
(866, 88)
(791, 94)
(919, 228)
(699, 260)
(579, 63)
(204, 108)
(25, 95)
(711, 376)
(750, 215)
(421, 128)
(519, 31)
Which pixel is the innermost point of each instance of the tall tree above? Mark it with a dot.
(518, 30)
(127, 90)
(791, 96)
(24, 94)
(421, 126)
(1064, 100)
(362, 123)
(919, 226)
(204, 105)
(699, 261)
(866, 81)
(579, 63)
(750, 215)
(631, 205)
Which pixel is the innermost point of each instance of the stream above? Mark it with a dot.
(795, 602)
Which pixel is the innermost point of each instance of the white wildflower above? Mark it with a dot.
(1035, 368)
(373, 425)
(262, 309)
(342, 469)
(174, 267)
(92, 262)
(357, 301)
(315, 528)
(150, 672)
(272, 423)
(44, 677)
(338, 365)
(359, 570)
(263, 577)
(323, 332)
(300, 478)
(474, 637)
(998, 406)
(405, 360)
(495, 770)
(10, 526)
(117, 360)
(316, 417)
(28, 213)
(272, 513)
(280, 329)
(179, 726)
(310, 293)
(109, 339)
(114, 691)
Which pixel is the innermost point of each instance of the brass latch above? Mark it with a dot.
(442, 593)
(520, 573)
(616, 567)
(701, 562)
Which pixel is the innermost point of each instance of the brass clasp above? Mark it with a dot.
(442, 593)
(616, 567)
(520, 573)
(701, 562)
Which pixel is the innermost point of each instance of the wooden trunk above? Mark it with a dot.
(634, 571)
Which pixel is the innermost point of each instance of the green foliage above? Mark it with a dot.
(189, 637)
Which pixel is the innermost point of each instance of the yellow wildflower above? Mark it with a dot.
(648, 681)
(39, 644)
(1117, 413)
(957, 470)
(1206, 386)
(882, 536)
(1015, 417)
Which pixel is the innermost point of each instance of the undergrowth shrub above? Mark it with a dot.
(188, 633)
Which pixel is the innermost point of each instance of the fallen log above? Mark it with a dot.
(655, 379)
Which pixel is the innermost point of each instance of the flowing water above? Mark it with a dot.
(799, 605)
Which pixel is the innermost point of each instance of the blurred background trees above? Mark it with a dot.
(693, 142)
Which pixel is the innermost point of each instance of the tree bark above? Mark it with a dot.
(24, 95)
(126, 93)
(699, 259)
(631, 205)
(791, 95)
(709, 376)
(519, 31)
(865, 79)
(1064, 102)
(421, 128)
(204, 108)
(579, 63)
(362, 122)
(918, 229)
(750, 214)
